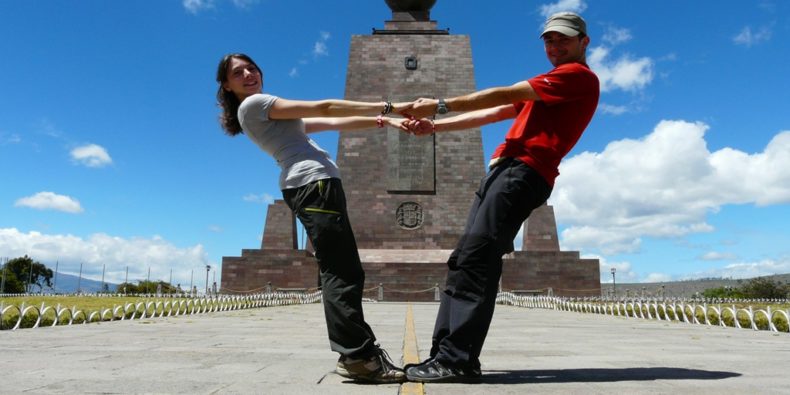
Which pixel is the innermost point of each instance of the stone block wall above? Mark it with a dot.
(376, 72)
(254, 269)
(562, 271)
(280, 228)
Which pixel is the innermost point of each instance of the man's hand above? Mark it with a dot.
(419, 108)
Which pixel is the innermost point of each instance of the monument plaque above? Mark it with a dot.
(410, 163)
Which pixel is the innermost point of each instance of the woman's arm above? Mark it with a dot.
(292, 109)
(345, 124)
(463, 121)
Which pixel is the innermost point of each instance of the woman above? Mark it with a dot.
(310, 183)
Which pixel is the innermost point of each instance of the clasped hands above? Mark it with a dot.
(416, 115)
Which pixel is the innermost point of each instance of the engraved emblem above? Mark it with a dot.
(409, 215)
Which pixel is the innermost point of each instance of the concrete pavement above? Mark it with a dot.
(284, 350)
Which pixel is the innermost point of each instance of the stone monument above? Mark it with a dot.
(408, 196)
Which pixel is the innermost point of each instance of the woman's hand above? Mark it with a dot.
(398, 123)
(420, 127)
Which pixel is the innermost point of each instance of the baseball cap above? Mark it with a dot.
(567, 23)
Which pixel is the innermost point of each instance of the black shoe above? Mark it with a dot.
(411, 365)
(433, 371)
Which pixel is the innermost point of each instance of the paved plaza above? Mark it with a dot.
(284, 350)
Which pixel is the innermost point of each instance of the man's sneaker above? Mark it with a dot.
(433, 371)
(473, 371)
(376, 369)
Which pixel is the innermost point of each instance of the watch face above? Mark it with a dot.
(441, 108)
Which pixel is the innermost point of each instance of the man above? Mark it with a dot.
(551, 111)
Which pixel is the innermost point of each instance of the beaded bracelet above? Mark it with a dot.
(387, 108)
(380, 121)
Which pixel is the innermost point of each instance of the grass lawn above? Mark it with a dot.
(87, 305)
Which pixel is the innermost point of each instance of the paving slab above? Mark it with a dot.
(284, 350)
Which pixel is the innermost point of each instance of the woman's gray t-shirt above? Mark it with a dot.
(299, 157)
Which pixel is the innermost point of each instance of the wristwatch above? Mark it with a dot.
(441, 108)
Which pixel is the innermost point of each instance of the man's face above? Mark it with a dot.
(561, 49)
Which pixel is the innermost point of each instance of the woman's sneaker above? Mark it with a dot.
(376, 369)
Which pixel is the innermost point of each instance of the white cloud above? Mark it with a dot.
(50, 201)
(195, 6)
(616, 35)
(116, 253)
(623, 73)
(662, 185)
(320, 48)
(215, 229)
(91, 155)
(764, 267)
(12, 138)
(563, 5)
(49, 129)
(609, 241)
(748, 38)
(244, 4)
(657, 278)
(612, 109)
(264, 198)
(624, 273)
(718, 256)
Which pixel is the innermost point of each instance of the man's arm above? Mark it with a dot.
(463, 121)
(486, 98)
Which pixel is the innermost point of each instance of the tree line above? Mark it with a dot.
(756, 288)
(20, 274)
(26, 275)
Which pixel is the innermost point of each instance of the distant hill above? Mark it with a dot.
(680, 289)
(67, 283)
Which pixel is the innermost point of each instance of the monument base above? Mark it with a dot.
(411, 275)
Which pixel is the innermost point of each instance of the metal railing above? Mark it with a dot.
(39, 316)
(686, 311)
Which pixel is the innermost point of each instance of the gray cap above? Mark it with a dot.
(567, 23)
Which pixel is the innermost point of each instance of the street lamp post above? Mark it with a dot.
(208, 269)
(614, 283)
(2, 284)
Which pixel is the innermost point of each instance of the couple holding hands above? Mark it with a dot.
(551, 111)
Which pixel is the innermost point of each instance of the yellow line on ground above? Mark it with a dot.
(411, 354)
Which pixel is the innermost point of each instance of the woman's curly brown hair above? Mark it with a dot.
(227, 100)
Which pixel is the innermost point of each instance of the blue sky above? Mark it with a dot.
(111, 153)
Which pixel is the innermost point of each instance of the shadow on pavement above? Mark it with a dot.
(600, 375)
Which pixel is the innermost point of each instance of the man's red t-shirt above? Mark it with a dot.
(546, 130)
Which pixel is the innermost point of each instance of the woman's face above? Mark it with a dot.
(243, 79)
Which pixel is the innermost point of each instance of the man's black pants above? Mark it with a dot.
(321, 208)
(507, 195)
